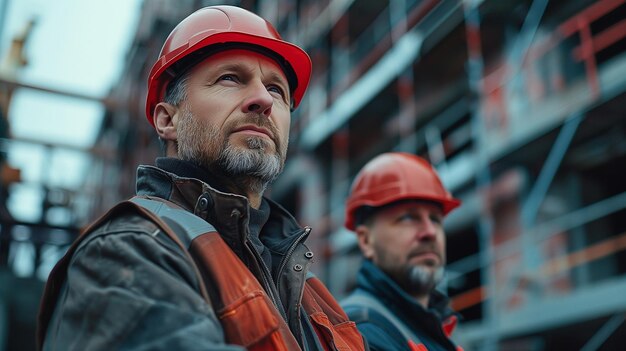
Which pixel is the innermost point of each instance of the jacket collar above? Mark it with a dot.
(228, 212)
(379, 284)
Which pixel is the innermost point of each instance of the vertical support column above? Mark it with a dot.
(397, 17)
(436, 151)
(339, 51)
(4, 5)
(580, 274)
(406, 107)
(339, 188)
(588, 53)
(340, 174)
(483, 176)
(4, 316)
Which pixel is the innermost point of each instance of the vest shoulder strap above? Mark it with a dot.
(363, 306)
(185, 225)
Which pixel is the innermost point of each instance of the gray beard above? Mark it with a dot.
(250, 167)
(254, 164)
(422, 281)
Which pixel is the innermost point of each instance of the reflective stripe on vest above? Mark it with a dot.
(192, 226)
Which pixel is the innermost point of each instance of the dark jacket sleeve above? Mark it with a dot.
(131, 290)
(380, 339)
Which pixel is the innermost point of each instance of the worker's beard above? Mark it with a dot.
(208, 146)
(422, 280)
(251, 162)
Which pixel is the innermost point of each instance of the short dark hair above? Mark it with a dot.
(364, 214)
(176, 90)
(175, 93)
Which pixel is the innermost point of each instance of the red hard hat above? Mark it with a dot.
(396, 176)
(225, 25)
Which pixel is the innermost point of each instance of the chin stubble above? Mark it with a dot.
(422, 279)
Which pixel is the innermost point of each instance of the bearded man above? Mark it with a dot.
(199, 259)
(396, 207)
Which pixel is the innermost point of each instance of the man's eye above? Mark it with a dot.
(406, 217)
(436, 219)
(276, 89)
(228, 77)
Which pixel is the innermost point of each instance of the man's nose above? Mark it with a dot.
(427, 230)
(259, 100)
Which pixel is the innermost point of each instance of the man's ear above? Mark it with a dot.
(364, 236)
(166, 121)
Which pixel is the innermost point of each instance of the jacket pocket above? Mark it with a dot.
(342, 335)
(248, 320)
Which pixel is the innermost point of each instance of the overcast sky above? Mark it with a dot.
(76, 46)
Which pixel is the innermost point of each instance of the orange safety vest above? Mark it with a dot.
(245, 312)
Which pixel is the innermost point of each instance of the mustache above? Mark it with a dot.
(424, 249)
(258, 121)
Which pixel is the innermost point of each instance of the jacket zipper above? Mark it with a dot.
(292, 248)
(268, 282)
(282, 266)
(266, 277)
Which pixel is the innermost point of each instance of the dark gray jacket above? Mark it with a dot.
(431, 326)
(129, 288)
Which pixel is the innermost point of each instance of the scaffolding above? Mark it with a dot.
(518, 104)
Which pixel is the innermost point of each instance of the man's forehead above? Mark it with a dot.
(234, 57)
(414, 204)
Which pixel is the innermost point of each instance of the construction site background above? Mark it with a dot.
(520, 105)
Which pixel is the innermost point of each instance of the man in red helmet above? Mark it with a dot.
(199, 259)
(396, 207)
